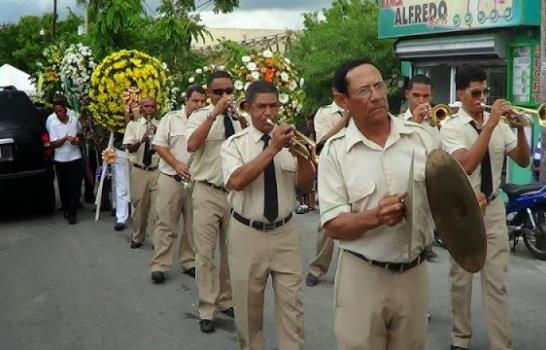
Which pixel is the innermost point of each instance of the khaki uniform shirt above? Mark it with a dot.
(326, 118)
(244, 147)
(355, 174)
(206, 165)
(433, 131)
(457, 133)
(133, 133)
(171, 133)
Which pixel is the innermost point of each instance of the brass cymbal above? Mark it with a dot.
(455, 211)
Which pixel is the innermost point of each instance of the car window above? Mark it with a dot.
(17, 108)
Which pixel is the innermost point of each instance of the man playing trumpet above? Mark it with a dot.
(262, 177)
(480, 143)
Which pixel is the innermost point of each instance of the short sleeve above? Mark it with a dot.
(323, 122)
(451, 138)
(333, 197)
(196, 119)
(130, 136)
(161, 137)
(510, 139)
(231, 158)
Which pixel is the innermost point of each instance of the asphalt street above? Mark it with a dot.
(82, 287)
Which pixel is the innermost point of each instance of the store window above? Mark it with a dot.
(440, 76)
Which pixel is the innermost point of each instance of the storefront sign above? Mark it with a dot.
(412, 17)
(524, 74)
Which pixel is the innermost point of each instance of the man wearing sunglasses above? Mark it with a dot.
(480, 143)
(208, 128)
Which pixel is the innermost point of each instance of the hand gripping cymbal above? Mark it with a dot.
(455, 211)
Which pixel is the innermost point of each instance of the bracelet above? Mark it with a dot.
(211, 118)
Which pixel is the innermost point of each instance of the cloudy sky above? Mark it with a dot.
(276, 14)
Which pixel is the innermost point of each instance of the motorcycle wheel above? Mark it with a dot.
(535, 241)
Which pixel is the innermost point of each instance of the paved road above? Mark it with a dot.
(81, 287)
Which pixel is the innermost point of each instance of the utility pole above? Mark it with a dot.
(542, 43)
(54, 25)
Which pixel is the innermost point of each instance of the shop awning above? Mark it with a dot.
(492, 44)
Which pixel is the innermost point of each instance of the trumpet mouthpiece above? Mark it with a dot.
(270, 122)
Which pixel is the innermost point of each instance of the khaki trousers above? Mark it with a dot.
(493, 283)
(325, 248)
(173, 201)
(376, 309)
(253, 256)
(210, 219)
(143, 195)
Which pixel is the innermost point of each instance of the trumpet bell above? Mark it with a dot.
(439, 114)
(541, 113)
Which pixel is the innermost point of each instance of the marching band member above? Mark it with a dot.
(328, 121)
(262, 177)
(381, 293)
(137, 141)
(480, 143)
(173, 198)
(208, 128)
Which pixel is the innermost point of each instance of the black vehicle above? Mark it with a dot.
(26, 168)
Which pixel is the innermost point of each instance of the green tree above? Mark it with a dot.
(352, 26)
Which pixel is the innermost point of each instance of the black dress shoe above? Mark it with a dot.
(206, 326)
(229, 312)
(190, 272)
(136, 245)
(453, 347)
(119, 226)
(311, 280)
(158, 277)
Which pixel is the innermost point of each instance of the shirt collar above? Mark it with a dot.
(354, 136)
(466, 118)
(255, 134)
(407, 114)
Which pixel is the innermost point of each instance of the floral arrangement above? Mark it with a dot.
(75, 72)
(109, 155)
(47, 77)
(201, 75)
(119, 72)
(275, 68)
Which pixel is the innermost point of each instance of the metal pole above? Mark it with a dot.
(542, 43)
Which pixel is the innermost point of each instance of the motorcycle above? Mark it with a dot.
(526, 216)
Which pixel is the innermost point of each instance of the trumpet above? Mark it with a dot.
(522, 117)
(303, 145)
(439, 114)
(237, 110)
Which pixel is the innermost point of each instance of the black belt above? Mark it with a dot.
(262, 226)
(205, 182)
(147, 168)
(393, 267)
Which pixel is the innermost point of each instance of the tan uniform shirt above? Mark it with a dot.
(326, 118)
(206, 165)
(433, 131)
(244, 147)
(355, 173)
(457, 133)
(133, 133)
(171, 133)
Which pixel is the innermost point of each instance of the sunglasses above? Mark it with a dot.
(476, 93)
(221, 92)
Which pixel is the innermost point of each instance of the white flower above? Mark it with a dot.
(199, 71)
(300, 106)
(287, 60)
(251, 66)
(267, 53)
(293, 85)
(283, 98)
(238, 85)
(245, 59)
(247, 85)
(255, 75)
(221, 67)
(301, 82)
(285, 77)
(191, 80)
(206, 68)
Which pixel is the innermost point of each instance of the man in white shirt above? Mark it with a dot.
(64, 131)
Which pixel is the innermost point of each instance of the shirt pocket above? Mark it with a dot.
(288, 164)
(361, 193)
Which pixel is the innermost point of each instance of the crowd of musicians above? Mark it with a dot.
(235, 188)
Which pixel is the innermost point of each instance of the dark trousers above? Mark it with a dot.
(69, 178)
